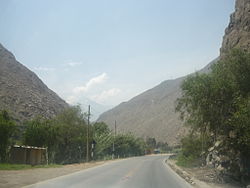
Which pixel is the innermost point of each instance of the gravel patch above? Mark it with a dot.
(20, 178)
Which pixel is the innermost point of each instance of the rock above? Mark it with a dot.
(220, 168)
(217, 143)
(211, 149)
(217, 159)
(237, 34)
(208, 158)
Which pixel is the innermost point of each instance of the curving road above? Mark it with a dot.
(137, 172)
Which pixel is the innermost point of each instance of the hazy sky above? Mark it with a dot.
(111, 50)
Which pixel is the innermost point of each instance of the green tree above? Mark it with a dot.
(125, 144)
(42, 133)
(71, 129)
(64, 135)
(151, 142)
(239, 137)
(100, 128)
(37, 132)
(163, 146)
(128, 145)
(7, 128)
(103, 138)
(217, 104)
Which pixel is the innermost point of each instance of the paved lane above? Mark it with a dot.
(138, 172)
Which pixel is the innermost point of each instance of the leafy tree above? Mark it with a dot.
(217, 103)
(65, 136)
(100, 128)
(41, 133)
(103, 138)
(125, 144)
(163, 146)
(240, 123)
(239, 137)
(7, 128)
(198, 106)
(37, 132)
(129, 145)
(151, 142)
(71, 130)
(191, 150)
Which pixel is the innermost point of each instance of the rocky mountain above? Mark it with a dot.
(152, 113)
(22, 93)
(237, 34)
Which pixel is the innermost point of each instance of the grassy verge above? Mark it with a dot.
(6, 166)
(188, 161)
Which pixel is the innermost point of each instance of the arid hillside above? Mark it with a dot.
(22, 93)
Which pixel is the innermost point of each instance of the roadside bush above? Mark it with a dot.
(193, 148)
(7, 128)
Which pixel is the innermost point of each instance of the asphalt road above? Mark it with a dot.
(137, 172)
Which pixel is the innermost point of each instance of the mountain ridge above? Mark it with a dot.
(23, 93)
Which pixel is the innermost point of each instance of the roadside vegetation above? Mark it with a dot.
(7, 129)
(65, 137)
(216, 107)
(7, 166)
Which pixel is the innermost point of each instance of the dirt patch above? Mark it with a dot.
(20, 178)
(201, 177)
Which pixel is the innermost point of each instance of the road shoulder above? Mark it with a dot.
(195, 176)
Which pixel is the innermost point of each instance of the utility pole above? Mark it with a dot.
(87, 153)
(113, 152)
(115, 128)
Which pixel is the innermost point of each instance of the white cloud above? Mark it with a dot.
(73, 64)
(93, 81)
(45, 69)
(105, 95)
(90, 90)
(71, 99)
